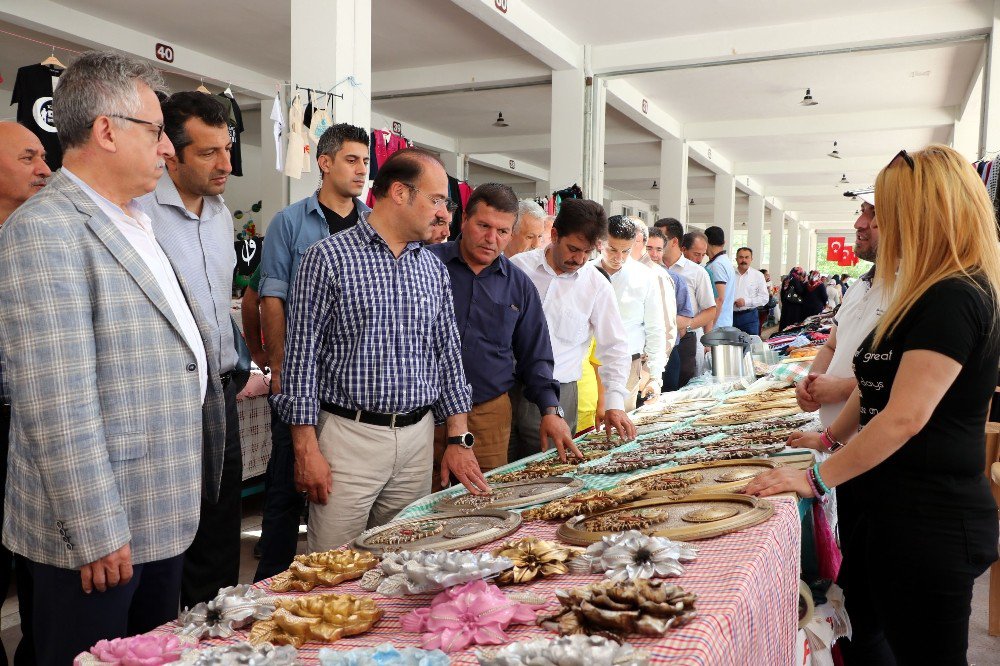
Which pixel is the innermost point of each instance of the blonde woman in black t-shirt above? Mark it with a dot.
(914, 427)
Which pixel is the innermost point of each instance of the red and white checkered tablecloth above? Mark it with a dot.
(747, 586)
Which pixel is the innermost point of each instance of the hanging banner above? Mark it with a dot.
(834, 244)
(846, 256)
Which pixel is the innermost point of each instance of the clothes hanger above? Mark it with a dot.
(228, 92)
(53, 61)
(202, 89)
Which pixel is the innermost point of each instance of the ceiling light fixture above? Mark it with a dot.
(843, 180)
(655, 186)
(834, 153)
(808, 99)
(500, 122)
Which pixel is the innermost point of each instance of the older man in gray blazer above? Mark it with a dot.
(110, 386)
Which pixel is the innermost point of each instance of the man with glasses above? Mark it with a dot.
(373, 359)
(342, 157)
(109, 380)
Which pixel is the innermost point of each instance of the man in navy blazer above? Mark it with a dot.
(111, 389)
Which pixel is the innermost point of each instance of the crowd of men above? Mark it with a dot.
(398, 365)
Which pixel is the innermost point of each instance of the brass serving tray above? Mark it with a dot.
(444, 531)
(714, 473)
(750, 511)
(513, 495)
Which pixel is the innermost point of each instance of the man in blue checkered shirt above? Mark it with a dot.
(373, 359)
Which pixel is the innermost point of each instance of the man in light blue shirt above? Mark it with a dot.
(723, 276)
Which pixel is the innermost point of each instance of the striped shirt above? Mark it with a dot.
(370, 331)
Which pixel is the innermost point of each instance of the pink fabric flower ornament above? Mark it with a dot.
(142, 650)
(476, 613)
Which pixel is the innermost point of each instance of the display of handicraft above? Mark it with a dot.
(153, 649)
(767, 395)
(633, 555)
(614, 610)
(717, 476)
(514, 495)
(539, 470)
(323, 569)
(741, 417)
(231, 609)
(422, 571)
(322, 617)
(625, 463)
(242, 653)
(584, 503)
(385, 654)
(442, 531)
(671, 521)
(667, 481)
(577, 650)
(533, 558)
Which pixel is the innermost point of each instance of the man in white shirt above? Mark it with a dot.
(699, 289)
(751, 293)
(640, 304)
(667, 287)
(579, 304)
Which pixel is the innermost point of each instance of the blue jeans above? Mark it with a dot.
(747, 321)
(283, 504)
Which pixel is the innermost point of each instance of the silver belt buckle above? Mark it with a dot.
(392, 422)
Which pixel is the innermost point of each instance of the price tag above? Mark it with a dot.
(501, 6)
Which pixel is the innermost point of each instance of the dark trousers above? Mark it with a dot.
(672, 371)
(526, 420)
(68, 621)
(212, 561)
(15, 564)
(898, 566)
(747, 321)
(283, 505)
(689, 359)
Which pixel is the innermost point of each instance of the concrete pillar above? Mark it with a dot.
(724, 210)
(804, 248)
(777, 244)
(566, 149)
(455, 164)
(674, 179)
(755, 229)
(792, 254)
(273, 184)
(593, 138)
(811, 235)
(330, 42)
(989, 137)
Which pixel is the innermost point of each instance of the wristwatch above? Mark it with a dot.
(557, 411)
(466, 440)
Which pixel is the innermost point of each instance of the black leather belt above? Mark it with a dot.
(373, 418)
(225, 378)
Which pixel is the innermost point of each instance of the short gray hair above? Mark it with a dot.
(528, 207)
(99, 83)
(641, 227)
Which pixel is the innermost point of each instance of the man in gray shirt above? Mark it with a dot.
(195, 230)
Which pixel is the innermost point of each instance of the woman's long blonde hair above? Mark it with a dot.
(935, 221)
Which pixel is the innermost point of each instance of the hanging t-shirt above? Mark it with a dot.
(279, 123)
(338, 223)
(235, 129)
(940, 467)
(33, 96)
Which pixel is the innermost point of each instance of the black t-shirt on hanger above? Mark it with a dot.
(33, 96)
(235, 125)
(338, 223)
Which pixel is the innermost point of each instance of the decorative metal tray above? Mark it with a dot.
(718, 476)
(440, 531)
(513, 495)
(688, 518)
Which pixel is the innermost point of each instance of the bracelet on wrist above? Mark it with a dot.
(824, 489)
(810, 477)
(831, 442)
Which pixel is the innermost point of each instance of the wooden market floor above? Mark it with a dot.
(983, 649)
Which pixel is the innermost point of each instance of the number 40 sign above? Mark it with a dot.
(164, 52)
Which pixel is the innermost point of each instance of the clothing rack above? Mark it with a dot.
(321, 93)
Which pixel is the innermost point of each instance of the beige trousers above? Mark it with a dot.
(638, 380)
(377, 472)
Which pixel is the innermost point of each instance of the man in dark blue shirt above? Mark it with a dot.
(503, 330)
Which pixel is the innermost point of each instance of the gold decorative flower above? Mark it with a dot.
(533, 558)
(323, 569)
(323, 617)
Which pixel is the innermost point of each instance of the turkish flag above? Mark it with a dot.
(846, 256)
(834, 244)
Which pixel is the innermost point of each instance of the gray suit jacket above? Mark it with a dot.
(110, 441)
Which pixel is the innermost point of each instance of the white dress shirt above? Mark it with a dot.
(698, 283)
(579, 306)
(667, 296)
(138, 231)
(641, 307)
(752, 288)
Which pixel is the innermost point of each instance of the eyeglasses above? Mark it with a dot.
(438, 202)
(158, 126)
(906, 158)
